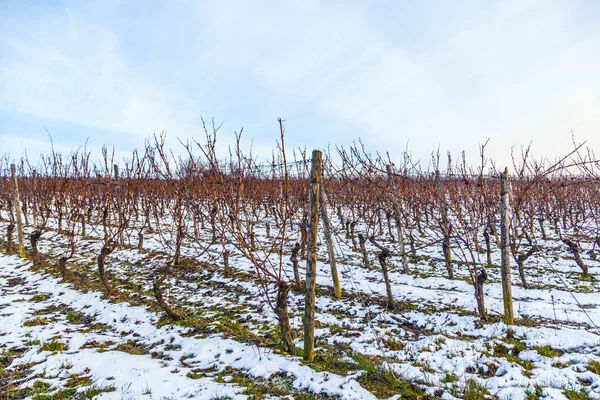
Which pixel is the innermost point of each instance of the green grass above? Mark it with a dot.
(511, 351)
(40, 297)
(393, 344)
(62, 394)
(547, 351)
(132, 347)
(54, 346)
(326, 360)
(75, 381)
(277, 386)
(534, 394)
(474, 390)
(74, 317)
(100, 346)
(94, 391)
(450, 378)
(37, 321)
(594, 366)
(573, 394)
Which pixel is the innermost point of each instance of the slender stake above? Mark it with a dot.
(396, 206)
(17, 204)
(504, 246)
(34, 204)
(311, 257)
(337, 291)
(119, 205)
(446, 228)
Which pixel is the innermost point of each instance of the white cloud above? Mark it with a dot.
(514, 71)
(77, 75)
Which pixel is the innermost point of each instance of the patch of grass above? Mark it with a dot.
(583, 288)
(534, 394)
(32, 343)
(37, 321)
(52, 309)
(147, 390)
(405, 306)
(393, 344)
(450, 378)
(487, 370)
(474, 390)
(335, 329)
(100, 346)
(331, 361)
(62, 394)
(529, 322)
(254, 388)
(201, 372)
(94, 391)
(573, 394)
(132, 347)
(547, 351)
(54, 346)
(594, 366)
(74, 317)
(511, 351)
(40, 297)
(40, 385)
(559, 364)
(384, 383)
(439, 340)
(38, 388)
(75, 381)
(277, 386)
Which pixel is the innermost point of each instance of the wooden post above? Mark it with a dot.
(17, 205)
(445, 226)
(337, 291)
(504, 246)
(34, 203)
(397, 218)
(311, 257)
(119, 206)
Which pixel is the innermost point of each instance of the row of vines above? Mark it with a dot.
(191, 197)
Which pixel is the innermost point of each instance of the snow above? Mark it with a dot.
(439, 332)
(134, 375)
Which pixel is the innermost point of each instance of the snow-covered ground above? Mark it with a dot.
(62, 337)
(432, 339)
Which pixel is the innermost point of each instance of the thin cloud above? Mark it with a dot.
(425, 73)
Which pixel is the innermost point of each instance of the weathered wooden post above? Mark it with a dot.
(504, 246)
(119, 206)
(34, 203)
(397, 218)
(446, 229)
(17, 205)
(337, 291)
(311, 257)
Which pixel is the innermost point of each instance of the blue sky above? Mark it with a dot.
(427, 73)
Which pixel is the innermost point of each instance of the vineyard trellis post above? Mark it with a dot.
(504, 246)
(311, 257)
(337, 291)
(397, 218)
(17, 205)
(119, 205)
(34, 203)
(445, 225)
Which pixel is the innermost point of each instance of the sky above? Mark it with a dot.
(398, 74)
